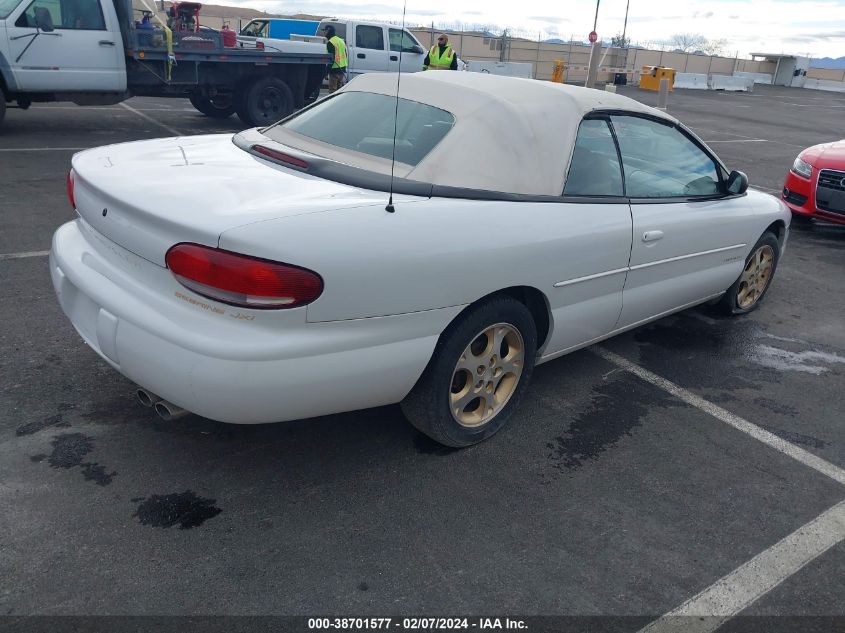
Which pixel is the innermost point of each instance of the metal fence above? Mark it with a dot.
(478, 46)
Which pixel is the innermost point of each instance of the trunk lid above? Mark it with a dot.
(149, 195)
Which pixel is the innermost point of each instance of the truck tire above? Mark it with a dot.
(265, 101)
(2, 105)
(219, 107)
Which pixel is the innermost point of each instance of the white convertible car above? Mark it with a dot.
(263, 276)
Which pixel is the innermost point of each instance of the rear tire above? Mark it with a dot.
(265, 101)
(477, 375)
(748, 291)
(220, 107)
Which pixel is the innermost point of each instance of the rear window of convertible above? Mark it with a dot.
(363, 122)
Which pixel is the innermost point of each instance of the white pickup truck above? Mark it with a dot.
(371, 46)
(93, 52)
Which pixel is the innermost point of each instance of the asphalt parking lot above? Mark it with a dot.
(637, 475)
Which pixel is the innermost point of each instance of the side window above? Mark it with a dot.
(256, 28)
(401, 41)
(339, 28)
(594, 169)
(84, 15)
(660, 162)
(369, 37)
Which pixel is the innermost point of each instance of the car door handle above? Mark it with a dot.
(106, 43)
(652, 236)
(394, 58)
(361, 56)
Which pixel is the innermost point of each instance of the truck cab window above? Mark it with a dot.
(82, 15)
(402, 41)
(7, 6)
(371, 37)
(256, 28)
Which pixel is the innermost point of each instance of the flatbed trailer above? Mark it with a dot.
(35, 65)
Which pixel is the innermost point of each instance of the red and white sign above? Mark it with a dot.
(593, 37)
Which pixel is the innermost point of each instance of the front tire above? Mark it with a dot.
(477, 375)
(2, 105)
(748, 291)
(265, 101)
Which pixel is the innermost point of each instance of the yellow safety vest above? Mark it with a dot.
(436, 62)
(340, 58)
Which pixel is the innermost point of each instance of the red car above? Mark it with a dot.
(815, 185)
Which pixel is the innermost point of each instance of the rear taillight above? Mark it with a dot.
(280, 157)
(70, 197)
(259, 45)
(241, 280)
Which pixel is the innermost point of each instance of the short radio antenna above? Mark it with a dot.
(390, 208)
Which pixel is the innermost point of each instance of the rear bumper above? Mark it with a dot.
(227, 364)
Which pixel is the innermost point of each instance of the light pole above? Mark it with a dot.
(625, 25)
(592, 68)
(624, 41)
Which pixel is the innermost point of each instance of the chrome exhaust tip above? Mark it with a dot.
(168, 411)
(147, 398)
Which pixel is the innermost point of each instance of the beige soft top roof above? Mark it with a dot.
(511, 135)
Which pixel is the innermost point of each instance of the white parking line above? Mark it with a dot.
(23, 255)
(766, 189)
(730, 595)
(117, 107)
(172, 130)
(724, 133)
(770, 439)
(734, 592)
(42, 149)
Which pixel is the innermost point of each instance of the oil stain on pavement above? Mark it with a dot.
(185, 509)
(68, 451)
(617, 408)
(56, 421)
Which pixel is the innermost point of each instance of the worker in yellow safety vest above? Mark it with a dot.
(340, 61)
(441, 56)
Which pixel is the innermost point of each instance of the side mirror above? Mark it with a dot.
(418, 49)
(737, 183)
(43, 19)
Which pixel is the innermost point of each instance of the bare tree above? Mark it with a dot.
(714, 47)
(687, 42)
(618, 41)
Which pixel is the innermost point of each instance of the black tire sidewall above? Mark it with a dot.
(2, 104)
(207, 107)
(437, 378)
(729, 302)
(247, 105)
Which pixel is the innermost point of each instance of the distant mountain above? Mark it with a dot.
(828, 62)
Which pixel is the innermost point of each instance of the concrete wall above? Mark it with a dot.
(824, 84)
(472, 46)
(830, 74)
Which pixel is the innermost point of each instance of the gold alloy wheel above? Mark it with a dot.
(755, 277)
(486, 375)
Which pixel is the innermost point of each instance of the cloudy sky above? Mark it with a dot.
(799, 27)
